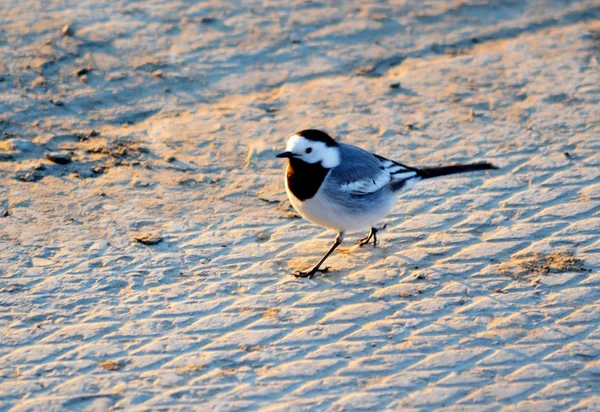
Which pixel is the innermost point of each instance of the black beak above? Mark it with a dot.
(285, 154)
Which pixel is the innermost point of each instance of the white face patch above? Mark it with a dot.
(313, 152)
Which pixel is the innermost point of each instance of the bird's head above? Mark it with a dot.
(313, 147)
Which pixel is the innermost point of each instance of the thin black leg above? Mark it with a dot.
(372, 234)
(338, 241)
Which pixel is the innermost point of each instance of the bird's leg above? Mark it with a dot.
(338, 240)
(372, 234)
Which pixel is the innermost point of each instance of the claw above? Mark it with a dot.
(309, 274)
(372, 234)
(364, 241)
(338, 241)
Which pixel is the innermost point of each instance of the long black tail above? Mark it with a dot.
(429, 172)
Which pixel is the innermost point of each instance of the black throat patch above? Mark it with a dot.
(304, 179)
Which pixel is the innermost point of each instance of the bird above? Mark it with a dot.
(347, 189)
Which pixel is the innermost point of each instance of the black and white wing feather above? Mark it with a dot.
(400, 175)
(362, 173)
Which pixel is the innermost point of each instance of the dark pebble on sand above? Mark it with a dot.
(84, 137)
(29, 176)
(58, 157)
(67, 31)
(148, 238)
(98, 170)
(82, 72)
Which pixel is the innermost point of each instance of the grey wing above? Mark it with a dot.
(401, 175)
(361, 173)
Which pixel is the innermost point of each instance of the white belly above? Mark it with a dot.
(322, 212)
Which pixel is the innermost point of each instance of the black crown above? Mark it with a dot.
(317, 136)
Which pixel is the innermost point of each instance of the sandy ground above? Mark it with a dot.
(483, 295)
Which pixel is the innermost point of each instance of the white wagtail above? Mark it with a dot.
(345, 188)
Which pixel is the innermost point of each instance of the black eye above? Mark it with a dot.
(308, 150)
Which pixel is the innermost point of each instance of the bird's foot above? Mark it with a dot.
(365, 241)
(309, 274)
